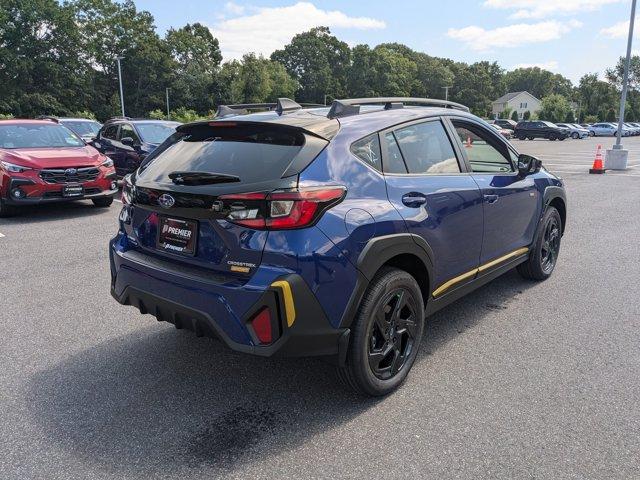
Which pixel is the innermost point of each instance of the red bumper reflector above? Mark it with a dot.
(261, 324)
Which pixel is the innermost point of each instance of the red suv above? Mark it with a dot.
(43, 161)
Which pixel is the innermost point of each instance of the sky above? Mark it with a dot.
(570, 37)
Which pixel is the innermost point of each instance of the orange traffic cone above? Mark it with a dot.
(597, 163)
(468, 143)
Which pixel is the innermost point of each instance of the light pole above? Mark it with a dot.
(168, 113)
(616, 158)
(446, 93)
(120, 80)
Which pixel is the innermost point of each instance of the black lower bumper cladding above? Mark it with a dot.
(310, 335)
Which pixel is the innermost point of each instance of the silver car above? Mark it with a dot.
(575, 131)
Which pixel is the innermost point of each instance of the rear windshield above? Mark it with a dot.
(38, 136)
(253, 153)
(83, 128)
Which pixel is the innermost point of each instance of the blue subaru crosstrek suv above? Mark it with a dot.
(331, 231)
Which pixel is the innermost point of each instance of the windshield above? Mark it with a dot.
(549, 124)
(38, 136)
(155, 132)
(84, 129)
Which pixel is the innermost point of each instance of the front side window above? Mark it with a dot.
(37, 135)
(485, 153)
(368, 150)
(127, 131)
(426, 148)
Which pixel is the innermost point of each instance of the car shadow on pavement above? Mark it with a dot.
(54, 211)
(164, 401)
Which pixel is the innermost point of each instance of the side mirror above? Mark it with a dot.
(528, 164)
(128, 141)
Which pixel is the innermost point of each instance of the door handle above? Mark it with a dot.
(491, 198)
(414, 199)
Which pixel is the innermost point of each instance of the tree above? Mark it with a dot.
(514, 116)
(477, 85)
(383, 71)
(570, 117)
(615, 75)
(318, 61)
(590, 119)
(538, 82)
(506, 113)
(611, 115)
(555, 108)
(40, 70)
(527, 115)
(197, 58)
(595, 96)
(109, 29)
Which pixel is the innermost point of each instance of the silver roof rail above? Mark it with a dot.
(351, 106)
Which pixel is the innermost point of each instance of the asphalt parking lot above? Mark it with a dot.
(518, 380)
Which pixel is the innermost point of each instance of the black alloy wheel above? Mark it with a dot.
(392, 334)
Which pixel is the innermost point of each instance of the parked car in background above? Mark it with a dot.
(607, 129)
(86, 128)
(505, 123)
(331, 231)
(42, 161)
(128, 142)
(505, 132)
(575, 131)
(540, 129)
(602, 129)
(632, 128)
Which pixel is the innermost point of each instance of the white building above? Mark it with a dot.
(516, 101)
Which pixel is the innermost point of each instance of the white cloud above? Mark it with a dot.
(548, 8)
(551, 65)
(234, 8)
(479, 39)
(268, 29)
(620, 29)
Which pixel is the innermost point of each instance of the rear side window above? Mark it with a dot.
(426, 149)
(368, 150)
(393, 162)
(255, 153)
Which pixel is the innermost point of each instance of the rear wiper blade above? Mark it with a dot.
(201, 178)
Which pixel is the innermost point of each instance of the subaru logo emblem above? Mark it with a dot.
(70, 171)
(166, 201)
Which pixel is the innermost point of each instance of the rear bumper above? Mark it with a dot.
(210, 307)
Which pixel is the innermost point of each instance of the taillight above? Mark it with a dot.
(281, 210)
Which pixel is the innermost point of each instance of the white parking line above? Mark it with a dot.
(116, 200)
(1, 235)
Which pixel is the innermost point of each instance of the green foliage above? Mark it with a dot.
(157, 114)
(590, 119)
(477, 85)
(596, 96)
(6, 116)
(538, 82)
(526, 115)
(610, 115)
(570, 117)
(506, 113)
(514, 116)
(318, 61)
(554, 108)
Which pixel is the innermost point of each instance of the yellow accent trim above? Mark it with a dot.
(289, 306)
(449, 283)
(515, 253)
(235, 268)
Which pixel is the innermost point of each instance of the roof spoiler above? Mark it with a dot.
(281, 106)
(351, 106)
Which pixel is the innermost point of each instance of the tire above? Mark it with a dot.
(7, 210)
(522, 137)
(531, 138)
(575, 135)
(546, 247)
(592, 134)
(102, 202)
(391, 301)
(552, 137)
(562, 139)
